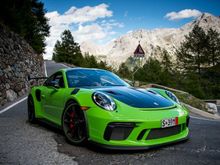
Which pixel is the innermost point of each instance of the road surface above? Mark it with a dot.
(24, 143)
(218, 107)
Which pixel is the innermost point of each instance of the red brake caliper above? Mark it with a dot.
(71, 120)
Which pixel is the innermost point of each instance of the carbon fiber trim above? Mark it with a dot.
(118, 131)
(137, 147)
(163, 132)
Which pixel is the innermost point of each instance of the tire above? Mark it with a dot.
(31, 110)
(74, 124)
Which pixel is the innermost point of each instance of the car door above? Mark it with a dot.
(53, 97)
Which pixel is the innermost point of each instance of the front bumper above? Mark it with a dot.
(135, 129)
(138, 147)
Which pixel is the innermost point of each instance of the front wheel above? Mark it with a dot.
(74, 124)
(31, 110)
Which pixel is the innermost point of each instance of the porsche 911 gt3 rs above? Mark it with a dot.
(97, 106)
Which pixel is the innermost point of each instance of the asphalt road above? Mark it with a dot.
(24, 143)
(218, 107)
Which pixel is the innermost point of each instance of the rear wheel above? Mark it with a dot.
(74, 124)
(31, 110)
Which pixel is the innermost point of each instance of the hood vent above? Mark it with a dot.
(137, 98)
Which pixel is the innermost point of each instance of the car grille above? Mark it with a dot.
(118, 131)
(163, 132)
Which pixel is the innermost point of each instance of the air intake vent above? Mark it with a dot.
(163, 132)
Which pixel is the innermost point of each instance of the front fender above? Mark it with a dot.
(83, 97)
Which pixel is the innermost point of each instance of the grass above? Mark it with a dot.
(191, 100)
(184, 97)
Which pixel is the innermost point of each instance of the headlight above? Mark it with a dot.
(104, 101)
(172, 96)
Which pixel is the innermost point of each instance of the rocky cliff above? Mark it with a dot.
(17, 61)
(120, 49)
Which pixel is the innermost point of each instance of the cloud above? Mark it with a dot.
(86, 23)
(89, 32)
(186, 13)
(108, 25)
(79, 15)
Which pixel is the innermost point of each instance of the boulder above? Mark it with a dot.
(11, 95)
(212, 108)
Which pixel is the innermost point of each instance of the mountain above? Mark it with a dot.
(117, 51)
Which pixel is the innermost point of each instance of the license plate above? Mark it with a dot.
(169, 122)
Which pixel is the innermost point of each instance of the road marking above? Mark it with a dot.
(9, 107)
(45, 69)
(199, 118)
(19, 101)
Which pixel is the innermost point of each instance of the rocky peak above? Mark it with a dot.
(120, 49)
(205, 21)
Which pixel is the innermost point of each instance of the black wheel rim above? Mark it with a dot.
(74, 124)
(30, 109)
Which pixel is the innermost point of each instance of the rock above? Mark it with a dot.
(1, 72)
(212, 108)
(7, 86)
(118, 50)
(18, 87)
(3, 101)
(17, 60)
(11, 95)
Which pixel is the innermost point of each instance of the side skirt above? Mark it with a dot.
(48, 123)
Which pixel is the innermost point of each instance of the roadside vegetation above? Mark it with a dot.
(195, 70)
(191, 100)
(26, 18)
(68, 51)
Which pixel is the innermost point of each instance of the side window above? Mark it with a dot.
(58, 78)
(55, 79)
(48, 81)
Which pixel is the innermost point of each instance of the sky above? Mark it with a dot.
(101, 21)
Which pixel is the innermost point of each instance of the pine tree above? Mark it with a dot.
(57, 48)
(90, 61)
(104, 65)
(166, 61)
(192, 53)
(27, 18)
(213, 47)
(123, 71)
(67, 50)
(150, 72)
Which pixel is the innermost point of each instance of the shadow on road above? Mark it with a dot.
(202, 146)
(61, 141)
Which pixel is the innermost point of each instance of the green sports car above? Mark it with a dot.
(97, 106)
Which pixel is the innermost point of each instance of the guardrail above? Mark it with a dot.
(217, 101)
(162, 87)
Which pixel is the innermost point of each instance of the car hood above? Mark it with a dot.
(139, 98)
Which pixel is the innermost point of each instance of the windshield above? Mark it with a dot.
(88, 77)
